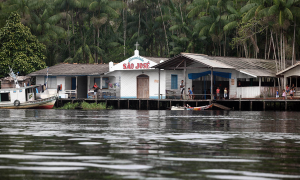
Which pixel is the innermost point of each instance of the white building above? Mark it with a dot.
(245, 78)
(134, 77)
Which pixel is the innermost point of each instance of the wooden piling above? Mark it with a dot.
(128, 103)
(250, 105)
(147, 104)
(139, 104)
(264, 105)
(285, 107)
(119, 105)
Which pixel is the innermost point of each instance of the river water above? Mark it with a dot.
(130, 144)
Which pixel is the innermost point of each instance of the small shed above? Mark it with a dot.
(8, 82)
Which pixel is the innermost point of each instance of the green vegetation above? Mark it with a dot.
(19, 48)
(85, 106)
(99, 31)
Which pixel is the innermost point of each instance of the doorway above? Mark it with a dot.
(143, 86)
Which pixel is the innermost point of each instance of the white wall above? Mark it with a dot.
(128, 85)
(40, 80)
(248, 92)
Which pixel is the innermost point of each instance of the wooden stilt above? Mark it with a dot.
(128, 103)
(264, 105)
(147, 104)
(158, 105)
(250, 105)
(119, 104)
(285, 105)
(139, 104)
(240, 103)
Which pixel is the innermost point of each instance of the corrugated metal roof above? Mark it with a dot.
(252, 67)
(19, 78)
(206, 60)
(289, 68)
(73, 70)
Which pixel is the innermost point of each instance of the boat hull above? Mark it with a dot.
(47, 103)
(201, 108)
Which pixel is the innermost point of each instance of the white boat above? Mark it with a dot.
(25, 97)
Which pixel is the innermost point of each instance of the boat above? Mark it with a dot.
(25, 97)
(187, 107)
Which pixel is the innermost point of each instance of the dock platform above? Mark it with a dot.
(165, 104)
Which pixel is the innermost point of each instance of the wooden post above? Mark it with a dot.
(158, 105)
(264, 105)
(147, 104)
(158, 83)
(170, 104)
(119, 104)
(250, 105)
(184, 75)
(139, 104)
(76, 86)
(211, 84)
(285, 102)
(106, 104)
(196, 103)
(88, 82)
(128, 103)
(240, 103)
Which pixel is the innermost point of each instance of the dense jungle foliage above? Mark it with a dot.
(99, 31)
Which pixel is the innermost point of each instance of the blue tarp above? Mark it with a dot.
(215, 73)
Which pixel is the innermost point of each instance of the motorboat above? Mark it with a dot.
(187, 107)
(26, 97)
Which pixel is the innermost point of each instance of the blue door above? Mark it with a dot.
(73, 85)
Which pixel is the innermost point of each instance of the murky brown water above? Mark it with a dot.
(129, 144)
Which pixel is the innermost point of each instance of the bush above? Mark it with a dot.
(70, 105)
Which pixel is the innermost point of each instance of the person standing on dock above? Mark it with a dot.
(277, 94)
(190, 93)
(292, 93)
(181, 89)
(225, 93)
(283, 94)
(218, 93)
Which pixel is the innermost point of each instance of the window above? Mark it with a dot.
(52, 82)
(105, 82)
(174, 81)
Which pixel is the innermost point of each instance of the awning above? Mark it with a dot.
(215, 73)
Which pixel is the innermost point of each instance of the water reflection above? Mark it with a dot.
(55, 144)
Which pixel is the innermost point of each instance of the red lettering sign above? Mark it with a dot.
(138, 65)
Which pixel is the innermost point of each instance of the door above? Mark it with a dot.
(73, 83)
(143, 86)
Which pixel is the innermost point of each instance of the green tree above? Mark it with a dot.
(19, 49)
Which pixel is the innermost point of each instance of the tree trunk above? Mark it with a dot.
(266, 45)
(245, 49)
(225, 45)
(294, 39)
(124, 26)
(164, 28)
(98, 32)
